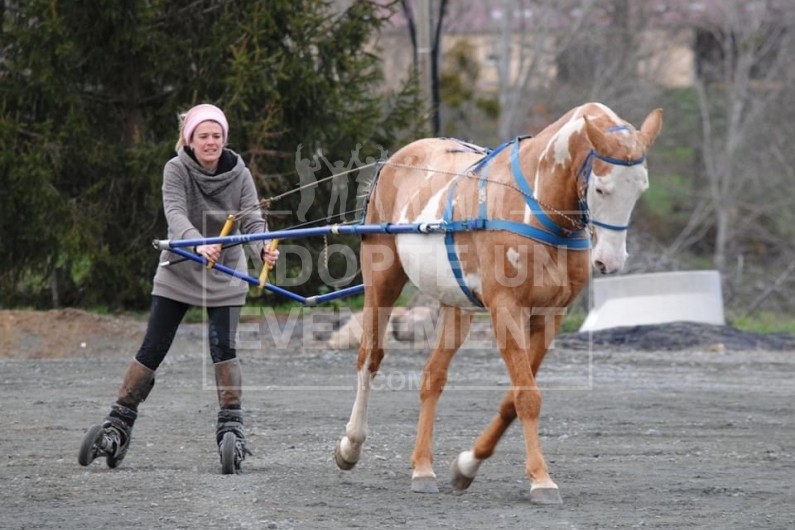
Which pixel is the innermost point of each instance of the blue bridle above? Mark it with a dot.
(584, 174)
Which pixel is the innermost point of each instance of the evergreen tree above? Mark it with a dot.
(90, 94)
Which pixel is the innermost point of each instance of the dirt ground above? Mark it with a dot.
(668, 427)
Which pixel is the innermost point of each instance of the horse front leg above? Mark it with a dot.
(523, 366)
(543, 489)
(453, 328)
(523, 344)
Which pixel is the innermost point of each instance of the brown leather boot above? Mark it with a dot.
(136, 385)
(228, 381)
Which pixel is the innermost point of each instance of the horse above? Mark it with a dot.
(526, 223)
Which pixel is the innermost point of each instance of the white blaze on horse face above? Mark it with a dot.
(424, 257)
(611, 198)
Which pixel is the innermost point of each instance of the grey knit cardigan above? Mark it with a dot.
(196, 205)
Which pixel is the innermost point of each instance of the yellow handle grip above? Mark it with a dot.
(228, 225)
(263, 277)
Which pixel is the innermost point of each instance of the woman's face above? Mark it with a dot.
(208, 143)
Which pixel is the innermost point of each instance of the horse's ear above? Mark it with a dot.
(651, 127)
(597, 138)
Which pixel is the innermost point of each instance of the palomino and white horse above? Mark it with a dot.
(528, 221)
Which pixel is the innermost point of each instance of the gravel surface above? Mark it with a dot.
(662, 433)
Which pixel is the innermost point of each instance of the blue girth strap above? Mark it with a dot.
(478, 223)
(449, 242)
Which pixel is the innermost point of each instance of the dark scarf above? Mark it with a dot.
(230, 167)
(227, 162)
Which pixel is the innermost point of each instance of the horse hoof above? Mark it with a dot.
(340, 461)
(545, 496)
(424, 485)
(460, 481)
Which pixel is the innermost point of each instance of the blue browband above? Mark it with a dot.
(551, 233)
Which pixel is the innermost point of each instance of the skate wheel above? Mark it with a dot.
(227, 450)
(112, 462)
(88, 449)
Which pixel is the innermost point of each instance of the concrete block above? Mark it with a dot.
(655, 298)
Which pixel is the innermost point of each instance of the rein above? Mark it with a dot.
(265, 203)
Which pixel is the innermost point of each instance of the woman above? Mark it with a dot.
(202, 185)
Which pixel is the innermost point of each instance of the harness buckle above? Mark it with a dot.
(477, 224)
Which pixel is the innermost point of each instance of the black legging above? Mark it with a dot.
(164, 319)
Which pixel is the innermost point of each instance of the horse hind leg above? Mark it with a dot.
(384, 279)
(454, 326)
(466, 464)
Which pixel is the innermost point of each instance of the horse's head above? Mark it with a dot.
(616, 176)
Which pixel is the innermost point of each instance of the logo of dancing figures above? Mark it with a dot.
(341, 175)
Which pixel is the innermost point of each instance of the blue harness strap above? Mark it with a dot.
(449, 242)
(486, 160)
(515, 227)
(539, 213)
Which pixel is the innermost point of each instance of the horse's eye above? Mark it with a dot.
(600, 191)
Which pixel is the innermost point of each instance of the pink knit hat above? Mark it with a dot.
(200, 113)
